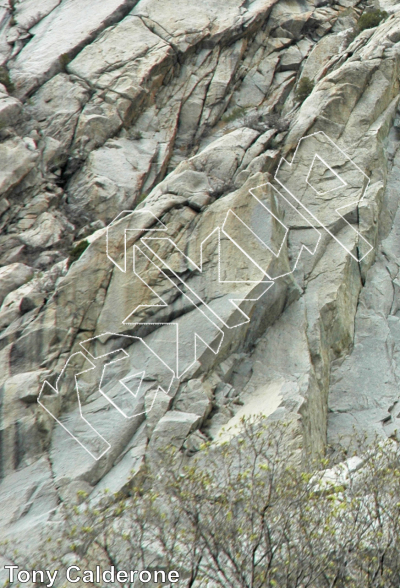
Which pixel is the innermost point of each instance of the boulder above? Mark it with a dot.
(61, 35)
(111, 179)
(17, 160)
(10, 110)
(194, 443)
(56, 107)
(291, 59)
(320, 55)
(364, 388)
(171, 431)
(28, 499)
(12, 277)
(193, 398)
(121, 477)
(157, 404)
(8, 316)
(99, 121)
(127, 59)
(70, 465)
(198, 21)
(29, 12)
(47, 230)
(289, 18)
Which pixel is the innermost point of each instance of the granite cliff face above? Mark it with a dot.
(249, 291)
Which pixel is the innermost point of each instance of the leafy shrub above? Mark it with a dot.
(141, 198)
(5, 79)
(370, 19)
(304, 89)
(77, 251)
(135, 135)
(248, 514)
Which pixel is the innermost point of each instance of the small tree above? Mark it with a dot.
(370, 19)
(304, 89)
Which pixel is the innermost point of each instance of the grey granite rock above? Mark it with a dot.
(221, 291)
(12, 277)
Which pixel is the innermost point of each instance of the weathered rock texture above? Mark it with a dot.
(176, 112)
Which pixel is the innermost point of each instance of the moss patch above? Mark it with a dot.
(236, 113)
(5, 79)
(77, 251)
(64, 60)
